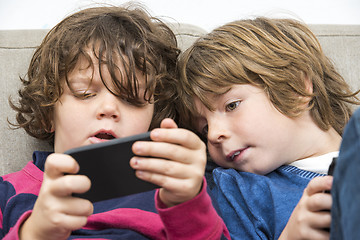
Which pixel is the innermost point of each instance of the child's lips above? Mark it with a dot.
(105, 136)
(102, 136)
(235, 155)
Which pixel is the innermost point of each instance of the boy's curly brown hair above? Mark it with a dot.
(142, 42)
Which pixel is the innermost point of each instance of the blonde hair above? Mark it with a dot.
(277, 55)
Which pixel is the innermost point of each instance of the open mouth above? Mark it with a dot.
(105, 136)
(232, 156)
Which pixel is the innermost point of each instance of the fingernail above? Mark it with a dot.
(155, 133)
(137, 147)
(139, 173)
(135, 161)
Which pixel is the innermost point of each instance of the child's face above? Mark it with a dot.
(247, 132)
(101, 116)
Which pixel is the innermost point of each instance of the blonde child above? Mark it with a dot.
(272, 109)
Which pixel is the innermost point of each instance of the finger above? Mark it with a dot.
(179, 191)
(168, 123)
(66, 185)
(69, 222)
(319, 184)
(318, 234)
(77, 206)
(319, 202)
(57, 164)
(177, 136)
(322, 220)
(317, 220)
(171, 152)
(158, 150)
(171, 184)
(151, 177)
(165, 167)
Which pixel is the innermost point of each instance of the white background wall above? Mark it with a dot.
(30, 14)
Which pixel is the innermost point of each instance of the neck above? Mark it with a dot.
(322, 142)
(314, 141)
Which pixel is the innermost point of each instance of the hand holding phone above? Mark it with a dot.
(107, 166)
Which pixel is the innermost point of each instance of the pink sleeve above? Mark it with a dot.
(193, 219)
(13, 234)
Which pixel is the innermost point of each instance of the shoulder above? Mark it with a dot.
(250, 184)
(27, 180)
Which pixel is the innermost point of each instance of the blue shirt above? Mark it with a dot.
(256, 206)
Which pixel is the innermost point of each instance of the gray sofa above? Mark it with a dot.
(340, 42)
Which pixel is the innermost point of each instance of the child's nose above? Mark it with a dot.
(216, 131)
(109, 107)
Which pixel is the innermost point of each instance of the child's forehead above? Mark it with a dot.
(91, 55)
(91, 66)
(92, 59)
(206, 100)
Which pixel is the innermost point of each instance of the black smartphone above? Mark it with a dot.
(330, 172)
(107, 165)
(332, 166)
(331, 169)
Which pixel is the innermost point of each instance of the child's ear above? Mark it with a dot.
(52, 127)
(308, 84)
(309, 90)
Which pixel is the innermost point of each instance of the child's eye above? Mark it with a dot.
(84, 94)
(88, 95)
(232, 106)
